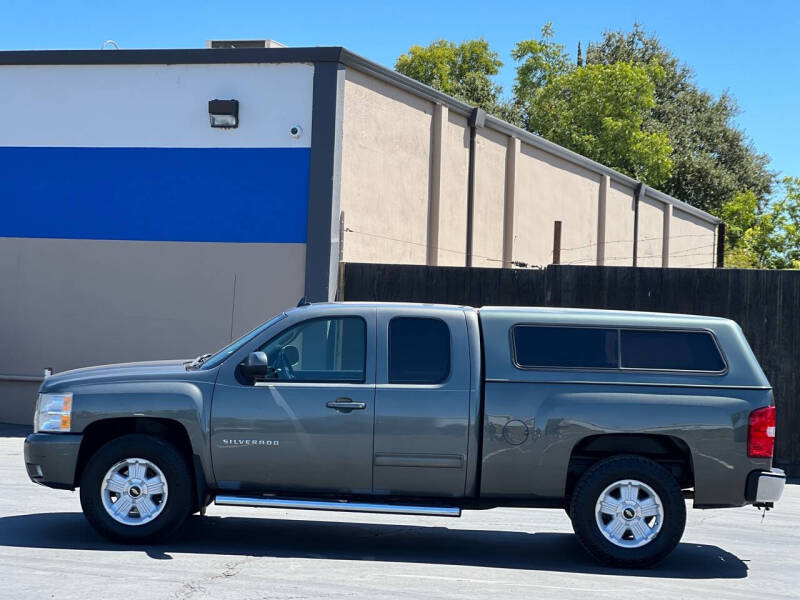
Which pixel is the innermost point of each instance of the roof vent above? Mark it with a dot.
(244, 44)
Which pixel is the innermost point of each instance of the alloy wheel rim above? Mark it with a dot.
(134, 491)
(629, 513)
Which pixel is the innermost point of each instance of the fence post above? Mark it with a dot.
(721, 245)
(557, 243)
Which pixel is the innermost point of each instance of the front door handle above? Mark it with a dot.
(346, 404)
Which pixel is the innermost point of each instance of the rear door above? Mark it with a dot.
(421, 402)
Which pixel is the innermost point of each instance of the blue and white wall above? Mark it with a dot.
(129, 228)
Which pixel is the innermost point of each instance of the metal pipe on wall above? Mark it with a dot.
(477, 119)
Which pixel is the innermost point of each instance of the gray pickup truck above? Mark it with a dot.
(616, 417)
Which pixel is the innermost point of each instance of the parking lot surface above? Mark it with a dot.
(47, 550)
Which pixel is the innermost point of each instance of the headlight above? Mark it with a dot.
(53, 412)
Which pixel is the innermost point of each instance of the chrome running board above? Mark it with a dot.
(344, 506)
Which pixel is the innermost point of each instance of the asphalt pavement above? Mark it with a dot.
(47, 550)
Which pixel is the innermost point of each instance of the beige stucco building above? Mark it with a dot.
(134, 229)
(404, 191)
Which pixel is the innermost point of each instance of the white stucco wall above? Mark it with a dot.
(387, 182)
(453, 200)
(692, 241)
(490, 173)
(550, 189)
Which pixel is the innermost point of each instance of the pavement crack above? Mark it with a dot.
(200, 585)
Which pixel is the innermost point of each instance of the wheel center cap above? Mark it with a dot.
(135, 491)
(629, 513)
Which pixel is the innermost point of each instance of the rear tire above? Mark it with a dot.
(137, 489)
(628, 511)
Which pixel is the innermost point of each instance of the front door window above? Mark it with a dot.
(319, 350)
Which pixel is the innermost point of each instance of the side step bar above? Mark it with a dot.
(344, 506)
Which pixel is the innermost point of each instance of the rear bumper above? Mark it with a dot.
(51, 458)
(765, 487)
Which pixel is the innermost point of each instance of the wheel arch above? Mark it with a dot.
(671, 452)
(100, 432)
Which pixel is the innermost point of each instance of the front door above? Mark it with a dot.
(308, 426)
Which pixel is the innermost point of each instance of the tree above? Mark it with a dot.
(764, 236)
(595, 110)
(540, 62)
(629, 103)
(598, 111)
(462, 70)
(712, 158)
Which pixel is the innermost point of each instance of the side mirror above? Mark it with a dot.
(255, 365)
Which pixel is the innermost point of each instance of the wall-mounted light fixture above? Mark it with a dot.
(224, 113)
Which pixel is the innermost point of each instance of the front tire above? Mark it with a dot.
(136, 489)
(628, 511)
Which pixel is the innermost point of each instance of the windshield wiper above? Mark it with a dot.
(200, 360)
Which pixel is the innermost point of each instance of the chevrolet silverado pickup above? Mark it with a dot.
(618, 418)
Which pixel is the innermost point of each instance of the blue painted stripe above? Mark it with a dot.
(155, 194)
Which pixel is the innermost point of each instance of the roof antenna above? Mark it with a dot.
(304, 302)
(108, 43)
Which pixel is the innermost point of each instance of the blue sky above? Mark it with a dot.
(749, 48)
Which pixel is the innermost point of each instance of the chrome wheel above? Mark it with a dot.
(134, 491)
(629, 513)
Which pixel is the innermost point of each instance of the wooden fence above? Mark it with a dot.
(765, 303)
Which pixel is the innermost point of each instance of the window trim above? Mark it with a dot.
(619, 368)
(363, 379)
(389, 351)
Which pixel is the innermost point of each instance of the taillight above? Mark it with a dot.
(761, 433)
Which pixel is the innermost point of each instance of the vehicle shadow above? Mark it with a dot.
(9, 430)
(558, 552)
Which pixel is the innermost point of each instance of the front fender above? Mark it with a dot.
(185, 402)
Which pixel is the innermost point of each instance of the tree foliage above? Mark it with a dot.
(596, 110)
(764, 236)
(540, 63)
(462, 70)
(712, 158)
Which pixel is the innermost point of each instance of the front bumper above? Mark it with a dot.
(51, 458)
(765, 487)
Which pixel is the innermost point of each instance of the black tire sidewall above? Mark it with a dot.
(603, 474)
(179, 483)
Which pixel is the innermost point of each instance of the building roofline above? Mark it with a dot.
(420, 89)
(326, 54)
(179, 56)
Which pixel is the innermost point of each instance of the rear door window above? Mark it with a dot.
(419, 350)
(565, 347)
(670, 350)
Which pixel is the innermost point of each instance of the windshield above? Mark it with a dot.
(220, 355)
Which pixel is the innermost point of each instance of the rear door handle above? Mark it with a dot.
(346, 404)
